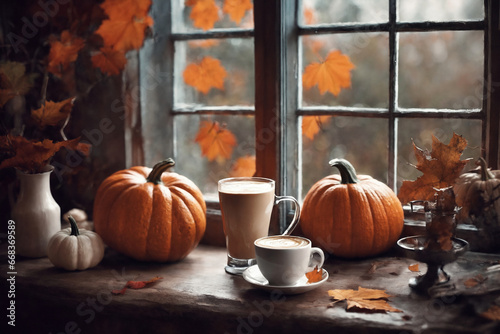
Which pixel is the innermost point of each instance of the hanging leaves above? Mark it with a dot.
(52, 113)
(440, 168)
(14, 81)
(364, 300)
(109, 60)
(135, 285)
(312, 124)
(64, 51)
(244, 166)
(204, 13)
(209, 73)
(237, 9)
(216, 141)
(331, 75)
(126, 24)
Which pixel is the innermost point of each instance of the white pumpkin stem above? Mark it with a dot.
(74, 226)
(485, 172)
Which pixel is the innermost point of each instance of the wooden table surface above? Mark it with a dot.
(197, 296)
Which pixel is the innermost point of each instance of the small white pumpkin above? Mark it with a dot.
(74, 249)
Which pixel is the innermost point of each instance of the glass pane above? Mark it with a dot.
(361, 141)
(214, 72)
(344, 11)
(443, 10)
(368, 52)
(195, 15)
(222, 160)
(441, 69)
(421, 131)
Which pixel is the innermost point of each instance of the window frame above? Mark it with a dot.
(277, 69)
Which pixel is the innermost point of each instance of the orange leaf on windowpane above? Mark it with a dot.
(330, 75)
(128, 20)
(309, 16)
(237, 9)
(314, 275)
(440, 168)
(52, 113)
(203, 43)
(135, 285)
(312, 124)
(204, 13)
(63, 52)
(109, 60)
(216, 141)
(244, 166)
(14, 81)
(364, 300)
(205, 75)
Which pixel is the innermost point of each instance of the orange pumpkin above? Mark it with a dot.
(150, 215)
(351, 216)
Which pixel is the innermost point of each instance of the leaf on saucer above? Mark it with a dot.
(364, 300)
(314, 275)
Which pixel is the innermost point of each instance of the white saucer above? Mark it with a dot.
(253, 276)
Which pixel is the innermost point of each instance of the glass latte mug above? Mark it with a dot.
(246, 205)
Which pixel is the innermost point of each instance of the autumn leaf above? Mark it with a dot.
(314, 275)
(109, 60)
(312, 124)
(63, 52)
(126, 25)
(216, 141)
(205, 75)
(135, 285)
(330, 75)
(440, 168)
(492, 313)
(52, 113)
(473, 281)
(364, 300)
(14, 81)
(204, 13)
(237, 9)
(32, 156)
(309, 16)
(203, 43)
(413, 267)
(244, 166)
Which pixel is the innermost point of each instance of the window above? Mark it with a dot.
(431, 70)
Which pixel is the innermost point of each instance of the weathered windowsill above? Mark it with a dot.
(196, 295)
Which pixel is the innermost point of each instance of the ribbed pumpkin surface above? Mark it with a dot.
(352, 219)
(148, 221)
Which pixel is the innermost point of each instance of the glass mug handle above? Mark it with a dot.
(296, 216)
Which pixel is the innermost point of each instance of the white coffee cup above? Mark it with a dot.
(283, 260)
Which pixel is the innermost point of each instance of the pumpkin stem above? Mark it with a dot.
(485, 173)
(74, 226)
(347, 171)
(158, 169)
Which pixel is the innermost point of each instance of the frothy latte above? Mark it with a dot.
(282, 242)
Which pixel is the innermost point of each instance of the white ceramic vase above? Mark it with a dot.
(36, 214)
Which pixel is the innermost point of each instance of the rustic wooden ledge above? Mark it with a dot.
(197, 296)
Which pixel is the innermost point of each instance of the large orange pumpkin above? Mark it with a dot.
(150, 215)
(351, 216)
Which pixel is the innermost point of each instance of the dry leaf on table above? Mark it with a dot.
(135, 285)
(364, 300)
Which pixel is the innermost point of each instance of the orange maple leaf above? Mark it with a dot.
(63, 52)
(203, 43)
(312, 124)
(330, 75)
(205, 75)
(364, 300)
(52, 113)
(440, 168)
(109, 60)
(244, 166)
(314, 275)
(126, 27)
(413, 267)
(216, 141)
(204, 13)
(237, 9)
(135, 285)
(32, 156)
(309, 15)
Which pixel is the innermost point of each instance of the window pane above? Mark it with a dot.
(192, 15)
(443, 10)
(205, 169)
(214, 72)
(361, 141)
(368, 52)
(421, 131)
(344, 11)
(441, 69)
